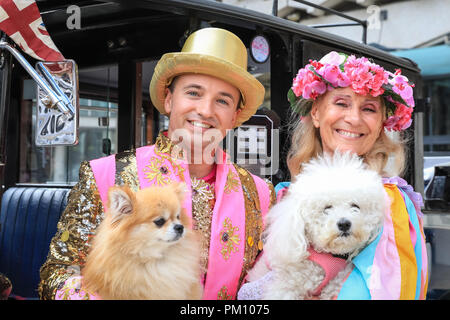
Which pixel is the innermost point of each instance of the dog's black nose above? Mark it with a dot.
(178, 228)
(344, 224)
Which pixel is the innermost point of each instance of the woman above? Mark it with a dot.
(347, 103)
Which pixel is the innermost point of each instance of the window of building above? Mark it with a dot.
(437, 119)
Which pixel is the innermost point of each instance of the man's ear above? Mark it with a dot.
(168, 101)
(315, 115)
(235, 116)
(120, 201)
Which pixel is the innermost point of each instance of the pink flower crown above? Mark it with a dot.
(364, 77)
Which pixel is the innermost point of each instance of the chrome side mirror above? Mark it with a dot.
(57, 118)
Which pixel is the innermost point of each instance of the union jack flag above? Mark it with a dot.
(22, 22)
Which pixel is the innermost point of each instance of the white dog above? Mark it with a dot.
(336, 206)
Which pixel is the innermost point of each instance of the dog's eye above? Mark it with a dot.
(159, 222)
(327, 208)
(178, 217)
(354, 205)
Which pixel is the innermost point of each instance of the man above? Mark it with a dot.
(205, 90)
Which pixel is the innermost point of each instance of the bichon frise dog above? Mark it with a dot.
(334, 209)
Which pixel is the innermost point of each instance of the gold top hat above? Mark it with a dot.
(215, 52)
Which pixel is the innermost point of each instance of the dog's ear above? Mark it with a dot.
(180, 190)
(286, 241)
(120, 201)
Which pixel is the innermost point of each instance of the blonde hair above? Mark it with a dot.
(306, 144)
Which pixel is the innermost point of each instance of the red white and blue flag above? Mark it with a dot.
(22, 22)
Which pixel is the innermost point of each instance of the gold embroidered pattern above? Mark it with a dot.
(229, 238)
(253, 219)
(232, 183)
(164, 145)
(154, 171)
(203, 201)
(165, 151)
(223, 294)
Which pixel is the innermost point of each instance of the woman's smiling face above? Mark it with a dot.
(348, 121)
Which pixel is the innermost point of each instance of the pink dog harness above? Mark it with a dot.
(330, 264)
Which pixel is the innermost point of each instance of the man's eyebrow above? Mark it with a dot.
(197, 86)
(226, 94)
(193, 85)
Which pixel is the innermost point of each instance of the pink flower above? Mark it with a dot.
(378, 79)
(390, 123)
(357, 71)
(366, 77)
(401, 86)
(333, 58)
(410, 102)
(314, 89)
(308, 85)
(376, 93)
(401, 119)
(334, 76)
(404, 113)
(304, 76)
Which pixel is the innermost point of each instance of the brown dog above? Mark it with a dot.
(144, 248)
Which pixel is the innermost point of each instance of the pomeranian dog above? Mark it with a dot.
(144, 249)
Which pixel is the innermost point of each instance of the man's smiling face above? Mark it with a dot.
(201, 105)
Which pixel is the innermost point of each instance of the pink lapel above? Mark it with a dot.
(226, 251)
(104, 170)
